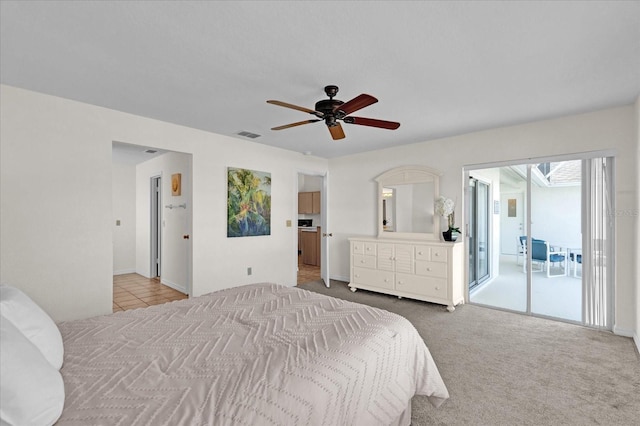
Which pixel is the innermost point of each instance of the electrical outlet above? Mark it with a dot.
(118, 222)
(249, 271)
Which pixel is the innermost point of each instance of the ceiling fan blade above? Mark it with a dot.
(299, 123)
(299, 108)
(336, 132)
(355, 104)
(372, 122)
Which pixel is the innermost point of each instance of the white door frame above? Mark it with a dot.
(324, 223)
(155, 210)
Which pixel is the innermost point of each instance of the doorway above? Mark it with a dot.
(152, 207)
(312, 247)
(543, 212)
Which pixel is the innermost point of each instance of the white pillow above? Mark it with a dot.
(31, 389)
(33, 322)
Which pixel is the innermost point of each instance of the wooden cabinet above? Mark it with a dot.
(309, 202)
(429, 271)
(310, 245)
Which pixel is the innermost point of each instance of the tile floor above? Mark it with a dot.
(307, 273)
(131, 291)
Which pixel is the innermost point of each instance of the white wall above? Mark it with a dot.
(56, 203)
(176, 222)
(563, 205)
(353, 207)
(124, 210)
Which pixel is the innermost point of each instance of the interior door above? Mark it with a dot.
(326, 234)
(156, 226)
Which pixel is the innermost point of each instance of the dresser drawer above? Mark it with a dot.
(423, 253)
(431, 269)
(439, 254)
(371, 277)
(370, 249)
(424, 286)
(357, 247)
(363, 261)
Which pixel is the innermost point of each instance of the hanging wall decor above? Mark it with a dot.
(248, 203)
(176, 184)
(511, 207)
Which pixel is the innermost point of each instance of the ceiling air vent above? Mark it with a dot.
(248, 135)
(150, 151)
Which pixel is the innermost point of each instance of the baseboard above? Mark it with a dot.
(637, 340)
(174, 286)
(339, 278)
(124, 271)
(623, 331)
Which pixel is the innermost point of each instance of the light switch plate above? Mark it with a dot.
(289, 223)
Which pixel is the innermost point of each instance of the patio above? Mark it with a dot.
(559, 297)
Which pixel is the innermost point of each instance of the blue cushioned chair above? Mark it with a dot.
(542, 253)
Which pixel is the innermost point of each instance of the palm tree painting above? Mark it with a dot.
(248, 203)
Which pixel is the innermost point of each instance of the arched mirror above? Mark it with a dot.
(406, 196)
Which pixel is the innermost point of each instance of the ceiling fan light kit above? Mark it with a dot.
(331, 110)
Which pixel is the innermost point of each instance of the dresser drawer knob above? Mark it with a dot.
(437, 288)
(357, 275)
(437, 254)
(363, 261)
(400, 282)
(428, 269)
(420, 253)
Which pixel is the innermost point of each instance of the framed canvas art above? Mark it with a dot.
(248, 203)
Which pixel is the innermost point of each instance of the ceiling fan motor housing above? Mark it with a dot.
(326, 107)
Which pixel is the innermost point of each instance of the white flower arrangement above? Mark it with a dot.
(445, 207)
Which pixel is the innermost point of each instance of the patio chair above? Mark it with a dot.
(576, 258)
(521, 249)
(542, 252)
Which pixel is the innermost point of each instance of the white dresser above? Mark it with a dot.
(425, 270)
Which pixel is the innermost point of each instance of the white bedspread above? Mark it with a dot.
(260, 354)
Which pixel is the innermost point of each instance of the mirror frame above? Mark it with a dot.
(407, 175)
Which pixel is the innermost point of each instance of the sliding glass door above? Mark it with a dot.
(551, 226)
(556, 231)
(478, 229)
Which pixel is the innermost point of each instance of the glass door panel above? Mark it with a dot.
(556, 231)
(497, 272)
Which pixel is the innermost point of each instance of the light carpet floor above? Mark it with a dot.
(503, 368)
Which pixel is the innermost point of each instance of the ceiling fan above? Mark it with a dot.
(331, 110)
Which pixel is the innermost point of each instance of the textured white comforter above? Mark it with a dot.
(260, 354)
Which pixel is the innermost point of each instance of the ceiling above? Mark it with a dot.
(439, 68)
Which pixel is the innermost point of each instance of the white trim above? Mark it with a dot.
(125, 271)
(626, 332)
(553, 158)
(637, 340)
(341, 278)
(174, 286)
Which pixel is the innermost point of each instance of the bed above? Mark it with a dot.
(260, 354)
